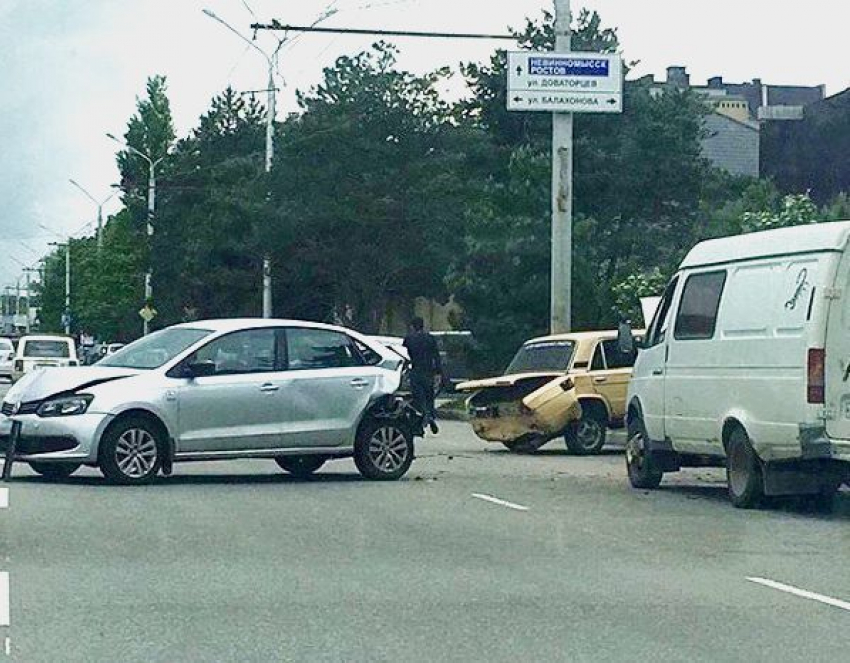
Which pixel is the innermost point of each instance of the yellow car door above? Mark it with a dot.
(610, 372)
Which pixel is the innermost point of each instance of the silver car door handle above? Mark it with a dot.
(658, 371)
(269, 387)
(600, 380)
(357, 383)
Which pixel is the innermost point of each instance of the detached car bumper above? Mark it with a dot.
(506, 409)
(55, 438)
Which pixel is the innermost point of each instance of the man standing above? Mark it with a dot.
(425, 366)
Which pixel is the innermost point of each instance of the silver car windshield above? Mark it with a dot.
(155, 350)
(542, 357)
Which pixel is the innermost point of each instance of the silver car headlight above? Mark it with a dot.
(65, 406)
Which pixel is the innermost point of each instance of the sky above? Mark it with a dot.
(72, 69)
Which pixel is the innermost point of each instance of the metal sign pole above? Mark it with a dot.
(562, 193)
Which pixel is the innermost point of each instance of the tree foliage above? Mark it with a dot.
(368, 190)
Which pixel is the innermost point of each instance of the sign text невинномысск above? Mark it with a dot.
(549, 66)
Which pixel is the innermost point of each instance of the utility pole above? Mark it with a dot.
(562, 192)
(66, 316)
(267, 263)
(271, 61)
(27, 323)
(68, 287)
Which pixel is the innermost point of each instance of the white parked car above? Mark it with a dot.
(7, 356)
(43, 351)
(747, 365)
(299, 393)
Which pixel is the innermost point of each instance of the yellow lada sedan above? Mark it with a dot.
(568, 384)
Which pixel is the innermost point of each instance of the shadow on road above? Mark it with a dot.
(787, 505)
(196, 479)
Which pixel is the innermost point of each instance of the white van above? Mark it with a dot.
(747, 365)
(42, 351)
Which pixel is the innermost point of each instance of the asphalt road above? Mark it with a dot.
(239, 562)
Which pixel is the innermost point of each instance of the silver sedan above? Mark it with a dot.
(301, 393)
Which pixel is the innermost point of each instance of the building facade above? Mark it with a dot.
(732, 140)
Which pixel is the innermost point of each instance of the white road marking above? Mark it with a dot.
(4, 498)
(496, 500)
(802, 593)
(4, 598)
(8, 646)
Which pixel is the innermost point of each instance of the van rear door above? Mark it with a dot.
(836, 355)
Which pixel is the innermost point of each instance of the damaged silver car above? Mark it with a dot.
(300, 393)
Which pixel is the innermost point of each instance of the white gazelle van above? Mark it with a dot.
(747, 365)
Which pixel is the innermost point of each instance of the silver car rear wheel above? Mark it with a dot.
(383, 450)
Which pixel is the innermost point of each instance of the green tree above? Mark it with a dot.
(368, 185)
(794, 210)
(207, 251)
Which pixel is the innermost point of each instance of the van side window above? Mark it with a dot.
(658, 327)
(697, 314)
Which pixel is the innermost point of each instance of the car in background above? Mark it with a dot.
(7, 356)
(43, 351)
(112, 348)
(394, 343)
(571, 385)
(299, 393)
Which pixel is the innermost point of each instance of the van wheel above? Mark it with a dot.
(823, 501)
(587, 435)
(743, 472)
(300, 466)
(643, 473)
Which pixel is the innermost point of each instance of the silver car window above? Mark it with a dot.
(320, 348)
(156, 349)
(249, 351)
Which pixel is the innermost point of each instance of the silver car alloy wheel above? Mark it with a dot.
(388, 448)
(136, 453)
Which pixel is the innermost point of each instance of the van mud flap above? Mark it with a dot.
(805, 477)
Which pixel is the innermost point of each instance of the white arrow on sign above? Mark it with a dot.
(565, 102)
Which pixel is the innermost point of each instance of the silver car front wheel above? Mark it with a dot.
(131, 451)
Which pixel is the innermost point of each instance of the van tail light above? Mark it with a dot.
(816, 381)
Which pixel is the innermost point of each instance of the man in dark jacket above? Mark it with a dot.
(425, 366)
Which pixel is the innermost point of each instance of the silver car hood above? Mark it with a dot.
(45, 382)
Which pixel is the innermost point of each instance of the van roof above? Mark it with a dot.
(811, 238)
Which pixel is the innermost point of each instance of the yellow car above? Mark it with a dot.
(568, 384)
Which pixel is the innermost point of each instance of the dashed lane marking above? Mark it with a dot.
(802, 593)
(4, 598)
(496, 500)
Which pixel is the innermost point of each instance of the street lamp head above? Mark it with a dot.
(210, 13)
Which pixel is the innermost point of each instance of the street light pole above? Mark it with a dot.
(99, 205)
(270, 116)
(152, 164)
